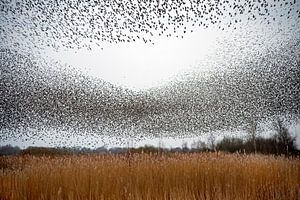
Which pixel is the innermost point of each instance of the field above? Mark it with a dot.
(150, 176)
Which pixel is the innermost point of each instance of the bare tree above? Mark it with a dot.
(198, 145)
(212, 141)
(253, 133)
(161, 145)
(285, 142)
(184, 146)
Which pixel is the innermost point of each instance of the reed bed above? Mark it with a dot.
(150, 176)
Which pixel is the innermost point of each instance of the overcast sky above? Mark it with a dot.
(137, 65)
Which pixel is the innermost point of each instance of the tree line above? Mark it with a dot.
(277, 145)
(281, 143)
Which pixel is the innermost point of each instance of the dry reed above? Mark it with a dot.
(145, 176)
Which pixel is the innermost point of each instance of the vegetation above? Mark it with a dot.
(9, 150)
(263, 145)
(282, 143)
(204, 171)
(150, 176)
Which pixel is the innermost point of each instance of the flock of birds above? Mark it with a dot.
(36, 99)
(84, 24)
(64, 107)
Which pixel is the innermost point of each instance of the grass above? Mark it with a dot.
(150, 176)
